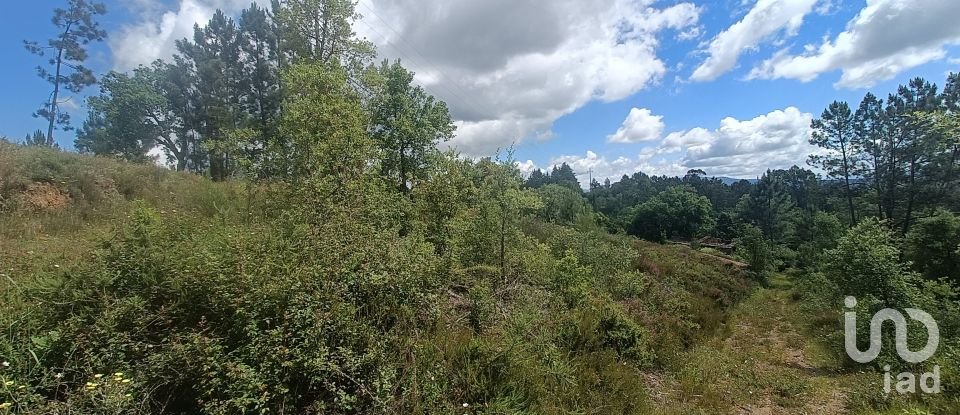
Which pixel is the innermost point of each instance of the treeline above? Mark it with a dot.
(895, 160)
(217, 107)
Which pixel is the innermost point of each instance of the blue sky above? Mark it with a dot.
(728, 86)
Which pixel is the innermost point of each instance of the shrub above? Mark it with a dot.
(755, 249)
(932, 245)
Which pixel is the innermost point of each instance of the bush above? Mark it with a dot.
(754, 248)
(932, 245)
(678, 212)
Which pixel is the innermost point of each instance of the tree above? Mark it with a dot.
(37, 139)
(213, 55)
(565, 176)
(562, 205)
(445, 193)
(872, 136)
(320, 31)
(133, 115)
(834, 132)
(725, 229)
(756, 250)
(115, 125)
(490, 231)
(866, 262)
(769, 206)
(76, 28)
(817, 233)
(677, 212)
(261, 87)
(537, 179)
(932, 246)
(407, 123)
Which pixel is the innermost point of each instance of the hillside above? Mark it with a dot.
(132, 289)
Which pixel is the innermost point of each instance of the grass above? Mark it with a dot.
(772, 357)
(209, 303)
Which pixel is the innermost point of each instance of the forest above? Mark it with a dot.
(311, 246)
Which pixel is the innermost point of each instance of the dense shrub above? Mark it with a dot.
(757, 251)
(205, 297)
(678, 212)
(933, 245)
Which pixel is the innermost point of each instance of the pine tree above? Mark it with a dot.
(834, 132)
(214, 53)
(261, 86)
(76, 28)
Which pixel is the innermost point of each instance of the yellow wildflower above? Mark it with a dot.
(126, 381)
(5, 405)
(98, 376)
(118, 374)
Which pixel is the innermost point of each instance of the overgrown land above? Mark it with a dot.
(310, 249)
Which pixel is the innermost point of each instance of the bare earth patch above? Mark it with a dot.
(44, 197)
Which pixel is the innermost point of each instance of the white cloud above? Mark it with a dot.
(509, 69)
(765, 19)
(602, 168)
(640, 126)
(886, 38)
(155, 35)
(677, 141)
(779, 139)
(742, 149)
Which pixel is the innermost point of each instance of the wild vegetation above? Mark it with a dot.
(315, 251)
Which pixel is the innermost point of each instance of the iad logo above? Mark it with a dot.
(906, 381)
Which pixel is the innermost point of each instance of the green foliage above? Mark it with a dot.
(834, 132)
(76, 28)
(563, 205)
(561, 175)
(756, 250)
(932, 246)
(817, 233)
(407, 124)
(866, 263)
(320, 31)
(216, 298)
(128, 118)
(678, 212)
(769, 206)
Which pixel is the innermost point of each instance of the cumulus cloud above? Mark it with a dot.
(779, 139)
(680, 140)
(640, 126)
(510, 69)
(766, 19)
(885, 38)
(154, 36)
(737, 148)
(507, 69)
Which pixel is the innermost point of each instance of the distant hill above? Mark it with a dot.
(731, 180)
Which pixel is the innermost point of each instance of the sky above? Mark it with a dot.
(611, 87)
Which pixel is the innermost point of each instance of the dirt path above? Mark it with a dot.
(760, 363)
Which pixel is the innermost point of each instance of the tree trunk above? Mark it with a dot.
(55, 96)
(846, 179)
(908, 217)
